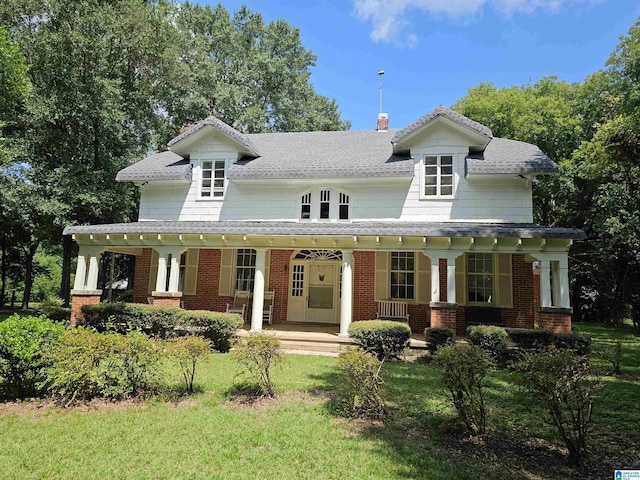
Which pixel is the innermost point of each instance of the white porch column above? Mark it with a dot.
(435, 279)
(161, 278)
(92, 276)
(451, 279)
(258, 290)
(80, 283)
(545, 282)
(563, 272)
(174, 274)
(346, 303)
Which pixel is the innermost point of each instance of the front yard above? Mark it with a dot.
(297, 435)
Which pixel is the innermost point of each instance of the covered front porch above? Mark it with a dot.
(335, 273)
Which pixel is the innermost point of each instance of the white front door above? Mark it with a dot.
(314, 292)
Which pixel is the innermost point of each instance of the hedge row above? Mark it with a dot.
(385, 339)
(164, 322)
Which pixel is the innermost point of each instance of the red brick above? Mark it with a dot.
(77, 302)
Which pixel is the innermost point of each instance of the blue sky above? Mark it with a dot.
(433, 51)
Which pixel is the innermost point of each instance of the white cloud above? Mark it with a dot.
(389, 17)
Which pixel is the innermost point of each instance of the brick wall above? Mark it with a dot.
(167, 301)
(207, 286)
(522, 314)
(77, 302)
(559, 322)
(279, 268)
(141, 276)
(364, 271)
(444, 317)
(442, 268)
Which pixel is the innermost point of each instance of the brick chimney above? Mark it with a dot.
(383, 122)
(187, 125)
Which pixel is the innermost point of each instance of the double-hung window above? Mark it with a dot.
(480, 278)
(318, 205)
(245, 269)
(212, 181)
(402, 275)
(438, 175)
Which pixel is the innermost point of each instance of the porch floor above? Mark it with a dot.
(316, 339)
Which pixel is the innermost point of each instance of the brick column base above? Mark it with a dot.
(167, 299)
(555, 319)
(79, 298)
(444, 315)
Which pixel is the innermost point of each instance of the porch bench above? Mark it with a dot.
(392, 310)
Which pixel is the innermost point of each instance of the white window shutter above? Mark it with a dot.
(227, 285)
(461, 279)
(153, 272)
(504, 290)
(423, 295)
(383, 279)
(191, 271)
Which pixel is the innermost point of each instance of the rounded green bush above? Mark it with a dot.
(383, 338)
(437, 338)
(490, 338)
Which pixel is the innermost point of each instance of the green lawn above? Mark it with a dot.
(298, 436)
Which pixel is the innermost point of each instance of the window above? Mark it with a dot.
(343, 206)
(213, 174)
(438, 175)
(245, 269)
(480, 285)
(305, 202)
(325, 197)
(402, 275)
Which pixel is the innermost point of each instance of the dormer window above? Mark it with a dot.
(305, 206)
(325, 203)
(212, 181)
(343, 207)
(438, 176)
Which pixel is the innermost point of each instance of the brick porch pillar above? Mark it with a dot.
(444, 315)
(555, 319)
(79, 298)
(167, 299)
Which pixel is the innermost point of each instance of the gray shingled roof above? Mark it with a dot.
(364, 153)
(510, 157)
(221, 127)
(437, 112)
(160, 166)
(404, 229)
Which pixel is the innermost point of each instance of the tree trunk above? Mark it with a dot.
(3, 269)
(28, 276)
(65, 284)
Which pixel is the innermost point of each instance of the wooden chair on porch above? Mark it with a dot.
(240, 303)
(267, 307)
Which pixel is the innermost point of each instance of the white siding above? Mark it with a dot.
(500, 200)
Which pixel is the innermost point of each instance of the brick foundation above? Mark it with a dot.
(78, 300)
(167, 300)
(444, 315)
(558, 320)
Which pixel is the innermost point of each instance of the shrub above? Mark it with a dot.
(57, 314)
(88, 364)
(437, 338)
(465, 368)
(220, 328)
(577, 342)
(490, 338)
(383, 338)
(361, 383)
(257, 353)
(530, 339)
(122, 317)
(23, 344)
(560, 380)
(187, 351)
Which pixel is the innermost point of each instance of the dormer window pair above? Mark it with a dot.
(325, 210)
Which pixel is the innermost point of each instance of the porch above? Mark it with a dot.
(317, 339)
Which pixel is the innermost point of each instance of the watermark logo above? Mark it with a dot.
(626, 475)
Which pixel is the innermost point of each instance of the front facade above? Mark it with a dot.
(437, 217)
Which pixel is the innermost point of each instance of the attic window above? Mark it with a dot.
(343, 212)
(438, 175)
(213, 173)
(305, 204)
(325, 197)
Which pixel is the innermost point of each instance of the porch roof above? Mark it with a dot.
(320, 229)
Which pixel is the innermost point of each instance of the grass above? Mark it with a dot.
(298, 435)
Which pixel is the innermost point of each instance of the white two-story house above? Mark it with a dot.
(437, 216)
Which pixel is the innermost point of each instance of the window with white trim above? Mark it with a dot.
(305, 206)
(480, 278)
(343, 206)
(438, 175)
(245, 269)
(212, 178)
(402, 275)
(325, 203)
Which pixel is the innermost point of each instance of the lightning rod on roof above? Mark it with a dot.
(380, 75)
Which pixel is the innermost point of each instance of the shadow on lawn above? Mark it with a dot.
(423, 438)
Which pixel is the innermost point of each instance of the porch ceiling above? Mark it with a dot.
(353, 235)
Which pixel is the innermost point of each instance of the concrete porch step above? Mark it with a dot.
(311, 346)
